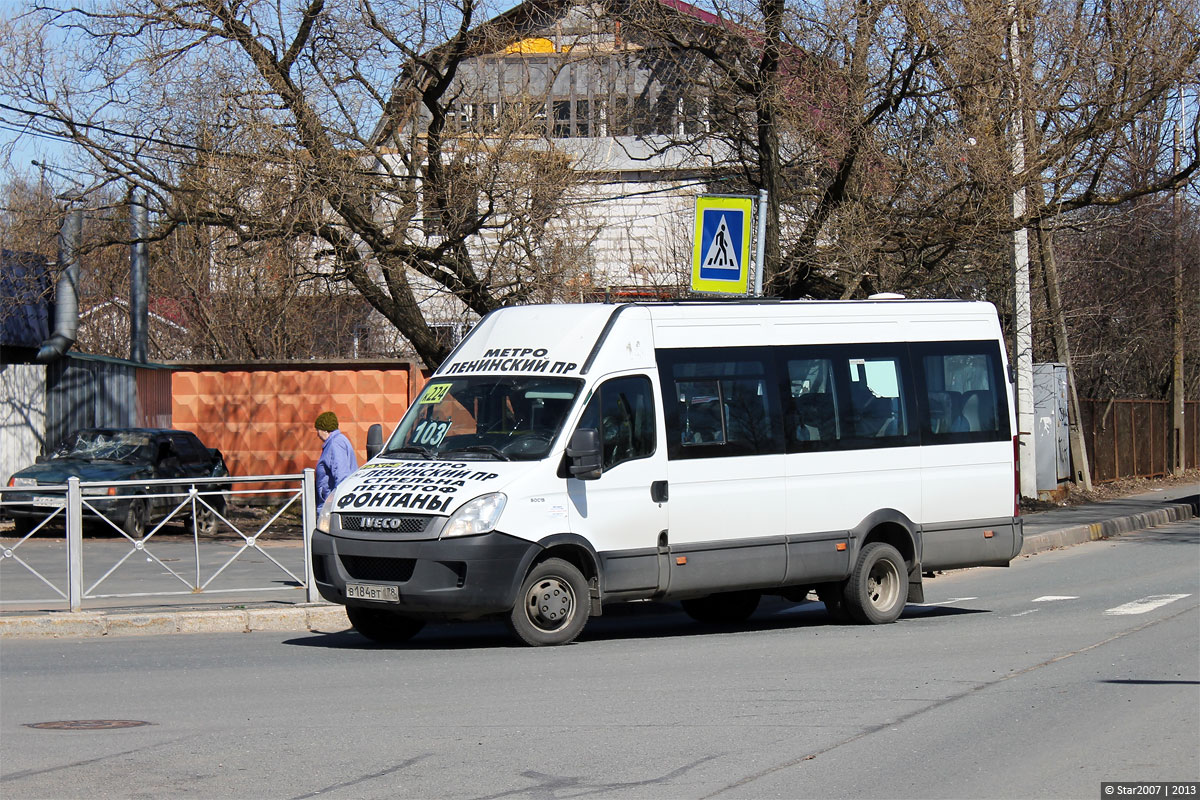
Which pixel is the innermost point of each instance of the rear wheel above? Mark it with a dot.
(24, 526)
(387, 627)
(878, 587)
(553, 604)
(727, 608)
(136, 517)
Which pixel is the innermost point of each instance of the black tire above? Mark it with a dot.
(726, 608)
(136, 518)
(832, 595)
(552, 606)
(387, 627)
(205, 522)
(878, 588)
(24, 526)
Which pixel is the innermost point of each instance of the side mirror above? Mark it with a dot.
(584, 456)
(374, 440)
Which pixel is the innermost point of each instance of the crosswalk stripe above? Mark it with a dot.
(1145, 604)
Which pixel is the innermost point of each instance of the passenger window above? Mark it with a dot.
(622, 410)
(188, 451)
(963, 396)
(812, 414)
(718, 407)
(876, 400)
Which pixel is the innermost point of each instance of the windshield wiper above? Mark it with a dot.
(420, 450)
(481, 448)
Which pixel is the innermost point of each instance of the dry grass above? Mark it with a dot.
(1113, 490)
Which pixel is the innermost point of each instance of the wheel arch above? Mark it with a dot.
(891, 527)
(575, 550)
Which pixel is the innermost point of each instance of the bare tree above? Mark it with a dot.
(323, 127)
(1118, 297)
(882, 128)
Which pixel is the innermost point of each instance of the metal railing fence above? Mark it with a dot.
(193, 499)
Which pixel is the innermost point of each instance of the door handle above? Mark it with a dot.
(658, 491)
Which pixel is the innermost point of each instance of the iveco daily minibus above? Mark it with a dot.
(566, 457)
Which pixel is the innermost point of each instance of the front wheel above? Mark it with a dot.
(553, 604)
(878, 587)
(386, 627)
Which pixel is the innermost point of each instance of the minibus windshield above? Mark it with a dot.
(505, 418)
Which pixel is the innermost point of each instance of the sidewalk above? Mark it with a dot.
(1044, 530)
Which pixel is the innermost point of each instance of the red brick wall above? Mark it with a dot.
(261, 416)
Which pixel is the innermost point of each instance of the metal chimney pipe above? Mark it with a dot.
(66, 291)
(139, 316)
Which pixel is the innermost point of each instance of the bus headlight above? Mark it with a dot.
(477, 516)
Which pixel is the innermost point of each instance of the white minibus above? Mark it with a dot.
(566, 457)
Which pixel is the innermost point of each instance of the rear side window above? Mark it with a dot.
(847, 397)
(963, 393)
(189, 449)
(722, 404)
(876, 398)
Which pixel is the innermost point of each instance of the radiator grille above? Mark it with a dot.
(391, 523)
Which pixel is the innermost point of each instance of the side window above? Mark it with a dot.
(622, 409)
(876, 399)
(189, 451)
(812, 413)
(964, 397)
(718, 405)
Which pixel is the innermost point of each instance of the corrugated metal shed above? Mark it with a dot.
(42, 405)
(86, 391)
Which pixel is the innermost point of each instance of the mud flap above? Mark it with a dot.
(596, 605)
(916, 590)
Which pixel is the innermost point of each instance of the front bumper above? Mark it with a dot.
(23, 505)
(460, 578)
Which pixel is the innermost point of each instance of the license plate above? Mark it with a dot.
(371, 591)
(50, 502)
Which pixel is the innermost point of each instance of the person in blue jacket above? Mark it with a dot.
(337, 460)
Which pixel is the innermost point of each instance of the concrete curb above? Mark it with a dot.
(327, 618)
(1065, 537)
(65, 624)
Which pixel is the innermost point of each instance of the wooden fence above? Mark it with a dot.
(1132, 438)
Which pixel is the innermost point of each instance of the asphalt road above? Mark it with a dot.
(1070, 668)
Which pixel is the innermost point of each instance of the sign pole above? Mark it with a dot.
(760, 246)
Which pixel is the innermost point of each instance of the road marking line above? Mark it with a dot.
(945, 602)
(1049, 598)
(1145, 604)
(1023, 613)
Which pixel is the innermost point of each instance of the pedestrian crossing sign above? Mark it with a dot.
(721, 254)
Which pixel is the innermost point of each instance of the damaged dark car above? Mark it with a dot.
(108, 455)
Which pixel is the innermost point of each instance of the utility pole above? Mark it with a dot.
(138, 268)
(1177, 406)
(1022, 310)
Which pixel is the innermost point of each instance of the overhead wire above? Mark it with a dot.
(259, 158)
